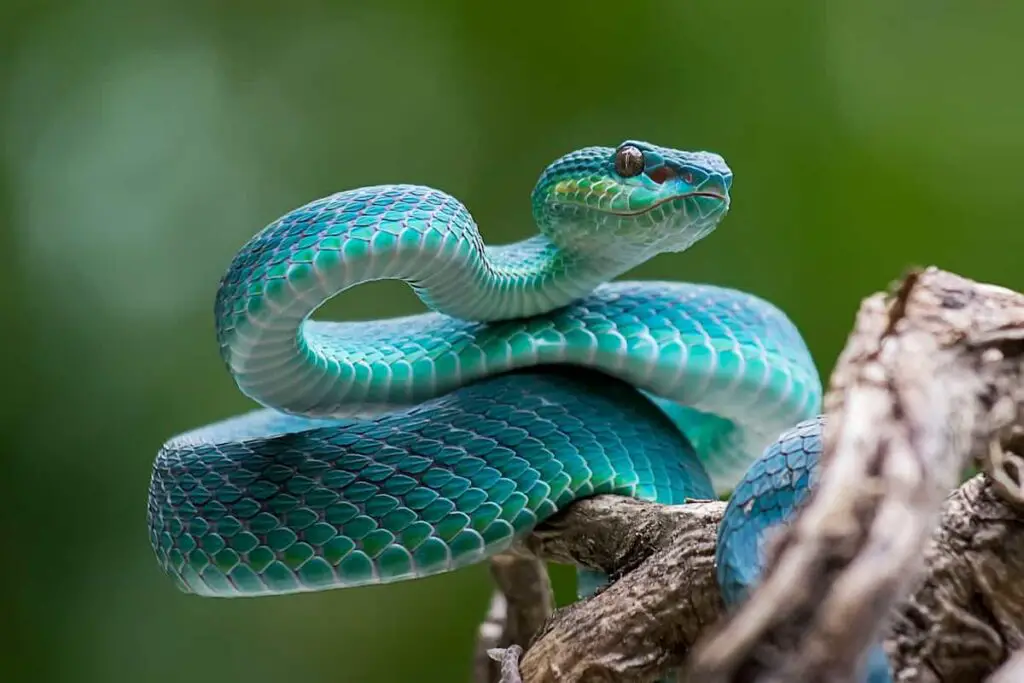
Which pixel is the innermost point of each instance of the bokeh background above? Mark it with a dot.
(144, 142)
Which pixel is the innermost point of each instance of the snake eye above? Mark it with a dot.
(629, 161)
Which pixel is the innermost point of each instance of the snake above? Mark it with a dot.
(398, 448)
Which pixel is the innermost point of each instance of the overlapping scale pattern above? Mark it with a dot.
(772, 488)
(770, 492)
(410, 493)
(730, 368)
(664, 390)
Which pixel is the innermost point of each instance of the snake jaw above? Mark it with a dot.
(671, 198)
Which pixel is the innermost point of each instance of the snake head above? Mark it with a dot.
(632, 201)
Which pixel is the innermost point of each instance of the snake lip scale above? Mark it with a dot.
(711, 195)
(394, 449)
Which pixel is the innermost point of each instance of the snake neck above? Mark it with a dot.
(419, 235)
(518, 280)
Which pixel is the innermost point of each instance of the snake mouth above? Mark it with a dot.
(671, 198)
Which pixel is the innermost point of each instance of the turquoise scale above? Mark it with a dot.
(393, 449)
(410, 493)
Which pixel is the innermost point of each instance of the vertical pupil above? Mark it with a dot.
(629, 162)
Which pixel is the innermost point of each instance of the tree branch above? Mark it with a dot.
(967, 614)
(931, 378)
(627, 631)
(1012, 671)
(520, 607)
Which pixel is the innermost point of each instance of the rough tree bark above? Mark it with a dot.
(887, 545)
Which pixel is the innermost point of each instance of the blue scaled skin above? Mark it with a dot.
(776, 484)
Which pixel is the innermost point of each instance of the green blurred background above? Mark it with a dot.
(144, 142)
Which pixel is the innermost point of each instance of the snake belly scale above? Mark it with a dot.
(394, 449)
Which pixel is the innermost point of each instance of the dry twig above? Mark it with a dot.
(931, 378)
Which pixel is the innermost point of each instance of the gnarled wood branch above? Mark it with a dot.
(932, 378)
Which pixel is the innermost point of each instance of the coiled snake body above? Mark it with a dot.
(400, 448)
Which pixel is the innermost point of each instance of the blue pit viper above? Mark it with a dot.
(400, 448)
